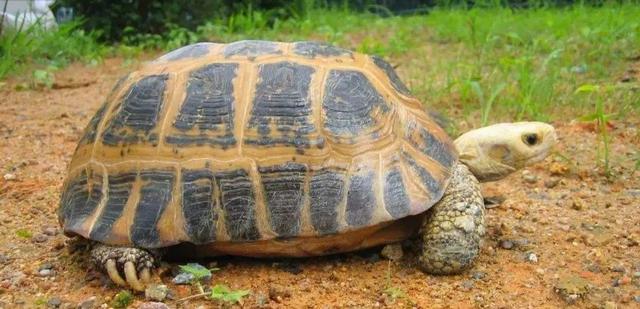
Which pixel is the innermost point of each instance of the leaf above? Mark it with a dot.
(223, 293)
(588, 88)
(198, 271)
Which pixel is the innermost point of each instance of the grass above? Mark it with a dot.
(481, 65)
(35, 48)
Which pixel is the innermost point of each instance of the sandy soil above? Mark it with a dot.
(565, 235)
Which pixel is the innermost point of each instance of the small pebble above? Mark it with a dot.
(50, 231)
(54, 302)
(3, 259)
(40, 238)
(577, 204)
(618, 269)
(531, 257)
(467, 285)
(621, 281)
(551, 183)
(153, 305)
(478, 275)
(89, 303)
(183, 278)
(636, 298)
(530, 178)
(636, 274)
(187, 278)
(46, 273)
(156, 292)
(506, 244)
(278, 293)
(10, 177)
(392, 252)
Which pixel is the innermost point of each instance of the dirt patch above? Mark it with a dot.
(563, 223)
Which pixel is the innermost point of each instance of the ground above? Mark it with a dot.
(565, 234)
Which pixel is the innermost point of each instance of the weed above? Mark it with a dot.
(123, 299)
(392, 291)
(218, 292)
(43, 78)
(24, 233)
(601, 120)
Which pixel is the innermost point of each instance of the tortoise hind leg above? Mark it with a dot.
(453, 229)
(136, 264)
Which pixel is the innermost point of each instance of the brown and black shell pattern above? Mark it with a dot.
(252, 141)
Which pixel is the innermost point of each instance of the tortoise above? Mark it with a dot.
(270, 149)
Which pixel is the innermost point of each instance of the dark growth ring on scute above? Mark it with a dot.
(313, 49)
(189, 51)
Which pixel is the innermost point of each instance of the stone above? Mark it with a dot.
(577, 204)
(531, 257)
(39, 238)
(530, 178)
(392, 252)
(89, 303)
(54, 302)
(10, 177)
(46, 273)
(186, 278)
(156, 292)
(506, 244)
(478, 275)
(551, 183)
(467, 285)
(50, 231)
(571, 288)
(618, 269)
(153, 305)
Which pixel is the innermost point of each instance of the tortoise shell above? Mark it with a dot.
(254, 141)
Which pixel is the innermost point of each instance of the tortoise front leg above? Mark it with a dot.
(452, 230)
(136, 264)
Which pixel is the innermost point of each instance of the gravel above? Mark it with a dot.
(54, 302)
(39, 238)
(156, 292)
(531, 257)
(507, 244)
(153, 305)
(89, 303)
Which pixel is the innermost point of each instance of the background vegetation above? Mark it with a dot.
(479, 62)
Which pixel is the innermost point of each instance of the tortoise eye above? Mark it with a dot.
(530, 139)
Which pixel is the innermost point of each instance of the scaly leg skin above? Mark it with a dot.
(136, 264)
(452, 230)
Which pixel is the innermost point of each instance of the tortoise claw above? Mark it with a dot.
(132, 276)
(112, 271)
(132, 263)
